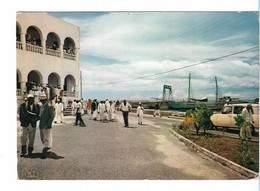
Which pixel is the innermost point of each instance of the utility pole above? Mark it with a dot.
(81, 84)
(189, 88)
(216, 88)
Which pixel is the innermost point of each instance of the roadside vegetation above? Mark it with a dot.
(243, 152)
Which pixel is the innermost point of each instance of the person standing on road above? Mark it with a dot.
(78, 114)
(94, 109)
(140, 113)
(89, 107)
(107, 110)
(125, 107)
(101, 111)
(157, 109)
(46, 119)
(58, 111)
(112, 111)
(29, 115)
(246, 128)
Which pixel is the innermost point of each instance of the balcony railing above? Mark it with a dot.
(18, 92)
(69, 56)
(52, 52)
(39, 49)
(19, 45)
(69, 94)
(34, 48)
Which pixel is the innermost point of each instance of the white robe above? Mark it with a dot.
(58, 112)
(140, 113)
(101, 110)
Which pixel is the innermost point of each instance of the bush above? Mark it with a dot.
(203, 118)
(244, 156)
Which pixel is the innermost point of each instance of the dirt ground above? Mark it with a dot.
(229, 148)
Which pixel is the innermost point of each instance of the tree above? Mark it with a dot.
(203, 118)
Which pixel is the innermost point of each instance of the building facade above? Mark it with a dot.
(47, 53)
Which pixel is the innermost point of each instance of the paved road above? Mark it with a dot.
(108, 151)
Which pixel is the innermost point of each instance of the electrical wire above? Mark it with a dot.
(176, 69)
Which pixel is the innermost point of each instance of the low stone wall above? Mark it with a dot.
(163, 113)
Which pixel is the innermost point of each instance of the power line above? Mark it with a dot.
(176, 69)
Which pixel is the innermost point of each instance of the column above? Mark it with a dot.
(43, 46)
(23, 87)
(61, 50)
(23, 40)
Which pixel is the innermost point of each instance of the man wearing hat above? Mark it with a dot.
(46, 119)
(29, 115)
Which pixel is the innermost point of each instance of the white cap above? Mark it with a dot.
(43, 96)
(30, 95)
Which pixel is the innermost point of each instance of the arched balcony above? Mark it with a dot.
(19, 44)
(69, 49)
(33, 40)
(53, 45)
(69, 86)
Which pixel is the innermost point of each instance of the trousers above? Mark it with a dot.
(46, 137)
(125, 115)
(28, 134)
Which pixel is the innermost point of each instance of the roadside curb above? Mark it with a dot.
(236, 167)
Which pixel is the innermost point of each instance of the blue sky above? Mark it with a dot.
(117, 47)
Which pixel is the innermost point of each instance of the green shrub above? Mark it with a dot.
(244, 156)
(203, 118)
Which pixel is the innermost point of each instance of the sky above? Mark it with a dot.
(133, 54)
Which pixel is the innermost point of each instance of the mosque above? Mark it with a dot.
(47, 54)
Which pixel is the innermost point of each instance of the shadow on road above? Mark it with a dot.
(50, 155)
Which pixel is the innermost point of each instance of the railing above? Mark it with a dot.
(52, 52)
(69, 94)
(69, 56)
(34, 48)
(18, 92)
(19, 45)
(39, 49)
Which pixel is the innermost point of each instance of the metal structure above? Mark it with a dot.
(165, 88)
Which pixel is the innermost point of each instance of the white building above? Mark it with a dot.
(47, 53)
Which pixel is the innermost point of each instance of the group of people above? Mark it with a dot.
(29, 113)
(103, 110)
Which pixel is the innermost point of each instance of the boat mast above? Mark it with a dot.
(189, 88)
(216, 88)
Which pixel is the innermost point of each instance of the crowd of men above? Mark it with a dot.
(50, 109)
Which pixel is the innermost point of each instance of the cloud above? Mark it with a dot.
(118, 47)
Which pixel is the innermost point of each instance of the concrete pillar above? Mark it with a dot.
(61, 50)
(43, 46)
(23, 86)
(23, 40)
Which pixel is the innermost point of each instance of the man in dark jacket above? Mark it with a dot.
(29, 114)
(46, 119)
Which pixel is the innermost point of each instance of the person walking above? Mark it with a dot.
(46, 119)
(107, 110)
(94, 109)
(89, 107)
(101, 111)
(58, 111)
(29, 115)
(140, 113)
(112, 111)
(157, 109)
(125, 107)
(78, 114)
